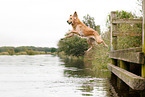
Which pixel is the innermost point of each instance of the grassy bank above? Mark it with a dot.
(27, 53)
(98, 57)
(26, 50)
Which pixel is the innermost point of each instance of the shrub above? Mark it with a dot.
(74, 46)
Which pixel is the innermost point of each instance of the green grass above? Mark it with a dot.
(98, 57)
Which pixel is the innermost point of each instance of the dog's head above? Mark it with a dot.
(70, 20)
(73, 18)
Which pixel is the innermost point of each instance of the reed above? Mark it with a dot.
(31, 52)
(11, 51)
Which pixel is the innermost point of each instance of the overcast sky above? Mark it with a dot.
(42, 23)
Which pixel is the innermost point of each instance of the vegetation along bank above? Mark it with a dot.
(26, 50)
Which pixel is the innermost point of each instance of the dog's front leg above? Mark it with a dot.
(71, 34)
(68, 36)
(75, 32)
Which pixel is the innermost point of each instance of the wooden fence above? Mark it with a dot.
(128, 64)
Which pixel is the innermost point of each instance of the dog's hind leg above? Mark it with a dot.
(89, 48)
(90, 42)
(102, 41)
(99, 40)
(105, 44)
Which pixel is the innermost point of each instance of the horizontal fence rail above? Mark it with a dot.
(116, 21)
(134, 81)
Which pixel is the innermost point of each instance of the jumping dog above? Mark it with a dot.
(82, 30)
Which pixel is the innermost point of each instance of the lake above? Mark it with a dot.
(50, 76)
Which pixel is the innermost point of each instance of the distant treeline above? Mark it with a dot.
(24, 48)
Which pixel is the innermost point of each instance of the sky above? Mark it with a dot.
(42, 23)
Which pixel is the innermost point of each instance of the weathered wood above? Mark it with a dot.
(121, 85)
(113, 29)
(113, 39)
(143, 30)
(143, 70)
(124, 65)
(132, 80)
(132, 55)
(136, 49)
(117, 21)
(114, 42)
(135, 57)
(114, 62)
(143, 40)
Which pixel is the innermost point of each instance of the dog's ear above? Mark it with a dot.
(75, 15)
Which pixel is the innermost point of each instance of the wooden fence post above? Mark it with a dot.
(113, 38)
(143, 45)
(124, 65)
(113, 46)
(113, 29)
(143, 40)
(120, 84)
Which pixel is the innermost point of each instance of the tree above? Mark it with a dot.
(140, 2)
(74, 46)
(53, 50)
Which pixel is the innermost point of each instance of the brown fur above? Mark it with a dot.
(82, 30)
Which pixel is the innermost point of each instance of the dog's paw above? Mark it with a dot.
(62, 39)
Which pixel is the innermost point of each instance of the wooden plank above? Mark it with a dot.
(132, 80)
(134, 57)
(136, 49)
(117, 21)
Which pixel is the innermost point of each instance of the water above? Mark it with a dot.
(50, 76)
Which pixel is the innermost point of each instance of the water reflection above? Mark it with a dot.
(91, 83)
(95, 82)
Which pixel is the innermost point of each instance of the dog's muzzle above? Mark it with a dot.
(69, 22)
